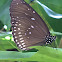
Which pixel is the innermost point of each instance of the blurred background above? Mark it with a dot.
(49, 10)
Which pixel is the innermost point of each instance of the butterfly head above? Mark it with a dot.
(49, 39)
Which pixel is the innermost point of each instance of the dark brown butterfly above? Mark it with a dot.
(28, 28)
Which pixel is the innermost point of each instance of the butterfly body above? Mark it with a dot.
(28, 28)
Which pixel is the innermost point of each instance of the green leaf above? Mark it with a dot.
(6, 44)
(14, 55)
(3, 34)
(55, 5)
(4, 12)
(45, 54)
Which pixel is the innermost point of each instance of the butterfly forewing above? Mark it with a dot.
(28, 27)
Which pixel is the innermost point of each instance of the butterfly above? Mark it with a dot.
(28, 28)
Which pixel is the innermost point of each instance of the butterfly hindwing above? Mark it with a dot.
(28, 27)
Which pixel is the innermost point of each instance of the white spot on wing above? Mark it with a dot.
(15, 37)
(17, 3)
(29, 32)
(14, 30)
(19, 45)
(17, 42)
(28, 37)
(17, 17)
(19, 20)
(18, 28)
(19, 33)
(24, 45)
(12, 22)
(22, 41)
(16, 22)
(29, 28)
(32, 18)
(19, 24)
(26, 14)
(33, 11)
(28, 9)
(25, 34)
(14, 33)
(21, 2)
(13, 18)
(14, 27)
(32, 26)
(21, 38)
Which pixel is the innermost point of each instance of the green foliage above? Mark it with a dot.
(44, 54)
(4, 12)
(1, 25)
(8, 55)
